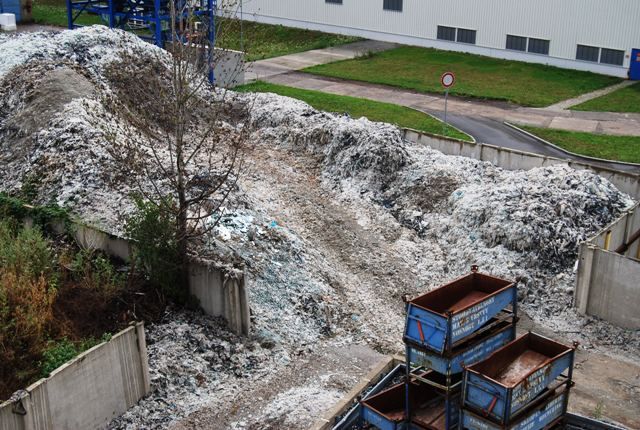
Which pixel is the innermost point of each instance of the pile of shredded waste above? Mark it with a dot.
(434, 216)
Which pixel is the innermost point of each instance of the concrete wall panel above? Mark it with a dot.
(615, 291)
(88, 391)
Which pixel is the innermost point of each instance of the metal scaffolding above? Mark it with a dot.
(149, 19)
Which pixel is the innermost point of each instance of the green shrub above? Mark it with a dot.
(12, 208)
(25, 252)
(152, 228)
(93, 270)
(59, 352)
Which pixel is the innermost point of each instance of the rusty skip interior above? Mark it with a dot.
(462, 293)
(427, 404)
(514, 362)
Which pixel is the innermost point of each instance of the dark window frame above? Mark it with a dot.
(588, 53)
(446, 30)
(470, 40)
(610, 55)
(545, 42)
(392, 5)
(516, 46)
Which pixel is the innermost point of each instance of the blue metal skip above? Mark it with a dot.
(533, 364)
(447, 316)
(20, 8)
(634, 65)
(452, 363)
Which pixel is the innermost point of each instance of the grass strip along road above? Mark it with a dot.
(358, 107)
(623, 100)
(617, 148)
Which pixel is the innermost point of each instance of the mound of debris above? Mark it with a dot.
(542, 213)
(341, 218)
(192, 358)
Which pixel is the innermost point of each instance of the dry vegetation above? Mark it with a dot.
(57, 300)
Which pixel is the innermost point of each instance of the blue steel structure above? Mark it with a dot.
(149, 19)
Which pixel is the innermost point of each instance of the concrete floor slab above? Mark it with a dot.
(620, 128)
(574, 124)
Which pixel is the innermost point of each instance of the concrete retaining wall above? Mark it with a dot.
(511, 159)
(222, 292)
(88, 391)
(228, 68)
(608, 283)
(620, 233)
(608, 286)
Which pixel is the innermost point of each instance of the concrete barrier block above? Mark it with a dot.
(8, 22)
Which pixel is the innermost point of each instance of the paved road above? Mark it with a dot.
(497, 133)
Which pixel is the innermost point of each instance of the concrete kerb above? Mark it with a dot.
(569, 153)
(384, 366)
(438, 136)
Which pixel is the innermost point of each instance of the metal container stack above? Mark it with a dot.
(459, 323)
(520, 386)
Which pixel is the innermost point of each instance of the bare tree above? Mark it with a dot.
(180, 140)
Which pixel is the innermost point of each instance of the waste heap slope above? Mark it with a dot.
(335, 220)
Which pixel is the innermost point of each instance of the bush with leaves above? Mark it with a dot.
(26, 295)
(152, 229)
(93, 270)
(59, 352)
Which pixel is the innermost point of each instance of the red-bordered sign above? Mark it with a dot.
(448, 79)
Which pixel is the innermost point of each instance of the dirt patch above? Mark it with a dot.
(32, 94)
(81, 313)
(317, 382)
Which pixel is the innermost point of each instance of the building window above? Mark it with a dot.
(392, 5)
(612, 56)
(538, 46)
(466, 36)
(333, 1)
(446, 33)
(588, 53)
(516, 43)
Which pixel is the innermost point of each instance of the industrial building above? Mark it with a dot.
(593, 35)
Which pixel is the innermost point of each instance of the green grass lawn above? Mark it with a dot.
(357, 107)
(624, 100)
(477, 76)
(619, 148)
(258, 40)
(54, 12)
(261, 41)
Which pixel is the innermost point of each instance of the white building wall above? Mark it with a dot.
(566, 23)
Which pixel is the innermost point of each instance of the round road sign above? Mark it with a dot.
(448, 79)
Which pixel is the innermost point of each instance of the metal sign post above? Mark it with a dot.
(447, 79)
